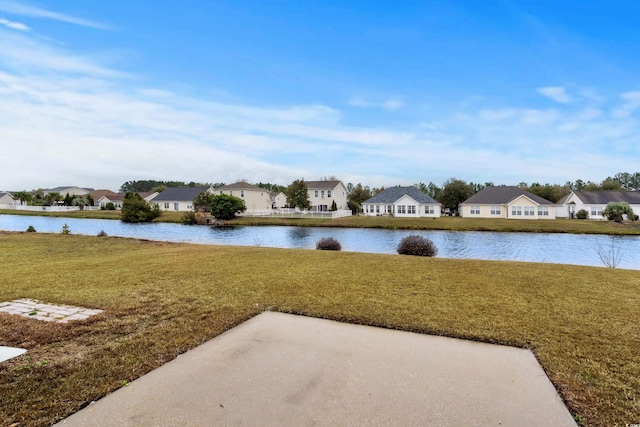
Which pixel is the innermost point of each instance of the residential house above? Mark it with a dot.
(278, 200)
(70, 190)
(255, 198)
(102, 197)
(507, 202)
(322, 194)
(178, 199)
(6, 198)
(402, 202)
(594, 202)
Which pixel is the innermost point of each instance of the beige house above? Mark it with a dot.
(322, 194)
(254, 197)
(278, 200)
(70, 190)
(6, 198)
(507, 202)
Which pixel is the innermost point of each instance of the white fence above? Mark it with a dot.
(296, 213)
(46, 208)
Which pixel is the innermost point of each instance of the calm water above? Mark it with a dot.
(550, 248)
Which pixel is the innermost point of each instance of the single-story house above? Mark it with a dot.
(102, 197)
(594, 202)
(255, 198)
(70, 190)
(322, 194)
(506, 201)
(178, 199)
(402, 202)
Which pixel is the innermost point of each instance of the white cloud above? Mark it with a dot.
(631, 104)
(14, 25)
(556, 93)
(22, 9)
(391, 104)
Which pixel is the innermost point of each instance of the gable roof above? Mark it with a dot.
(179, 194)
(241, 186)
(5, 193)
(67, 187)
(502, 195)
(322, 185)
(604, 197)
(96, 195)
(393, 194)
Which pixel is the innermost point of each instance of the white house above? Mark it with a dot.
(594, 202)
(402, 202)
(178, 199)
(506, 201)
(322, 194)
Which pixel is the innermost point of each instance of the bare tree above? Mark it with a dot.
(610, 254)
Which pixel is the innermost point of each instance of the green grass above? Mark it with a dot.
(162, 299)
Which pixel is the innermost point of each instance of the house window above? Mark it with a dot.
(496, 210)
(189, 207)
(543, 211)
(596, 210)
(516, 210)
(328, 193)
(316, 193)
(322, 194)
(231, 192)
(529, 211)
(221, 192)
(166, 205)
(475, 210)
(402, 209)
(428, 210)
(411, 209)
(377, 208)
(241, 193)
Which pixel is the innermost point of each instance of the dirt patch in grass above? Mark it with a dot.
(162, 299)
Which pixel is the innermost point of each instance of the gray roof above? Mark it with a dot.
(240, 186)
(604, 197)
(502, 195)
(393, 194)
(66, 187)
(3, 193)
(179, 194)
(321, 185)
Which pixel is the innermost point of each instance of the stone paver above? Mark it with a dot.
(35, 309)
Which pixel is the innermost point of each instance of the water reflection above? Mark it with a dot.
(550, 248)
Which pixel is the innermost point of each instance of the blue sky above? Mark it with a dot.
(96, 93)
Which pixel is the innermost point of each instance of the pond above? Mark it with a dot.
(535, 247)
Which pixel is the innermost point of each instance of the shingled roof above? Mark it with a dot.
(393, 194)
(321, 185)
(240, 186)
(502, 195)
(179, 194)
(604, 197)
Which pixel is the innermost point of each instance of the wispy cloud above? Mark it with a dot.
(22, 9)
(14, 25)
(556, 93)
(631, 104)
(394, 103)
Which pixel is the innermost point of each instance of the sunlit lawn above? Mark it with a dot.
(162, 299)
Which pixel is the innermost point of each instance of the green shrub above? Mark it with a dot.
(65, 229)
(582, 214)
(31, 229)
(110, 206)
(328, 244)
(189, 218)
(417, 245)
(102, 234)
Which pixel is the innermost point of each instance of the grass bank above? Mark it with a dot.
(443, 223)
(162, 299)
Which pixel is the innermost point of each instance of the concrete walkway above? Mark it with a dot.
(278, 369)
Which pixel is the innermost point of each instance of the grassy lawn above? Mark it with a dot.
(162, 299)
